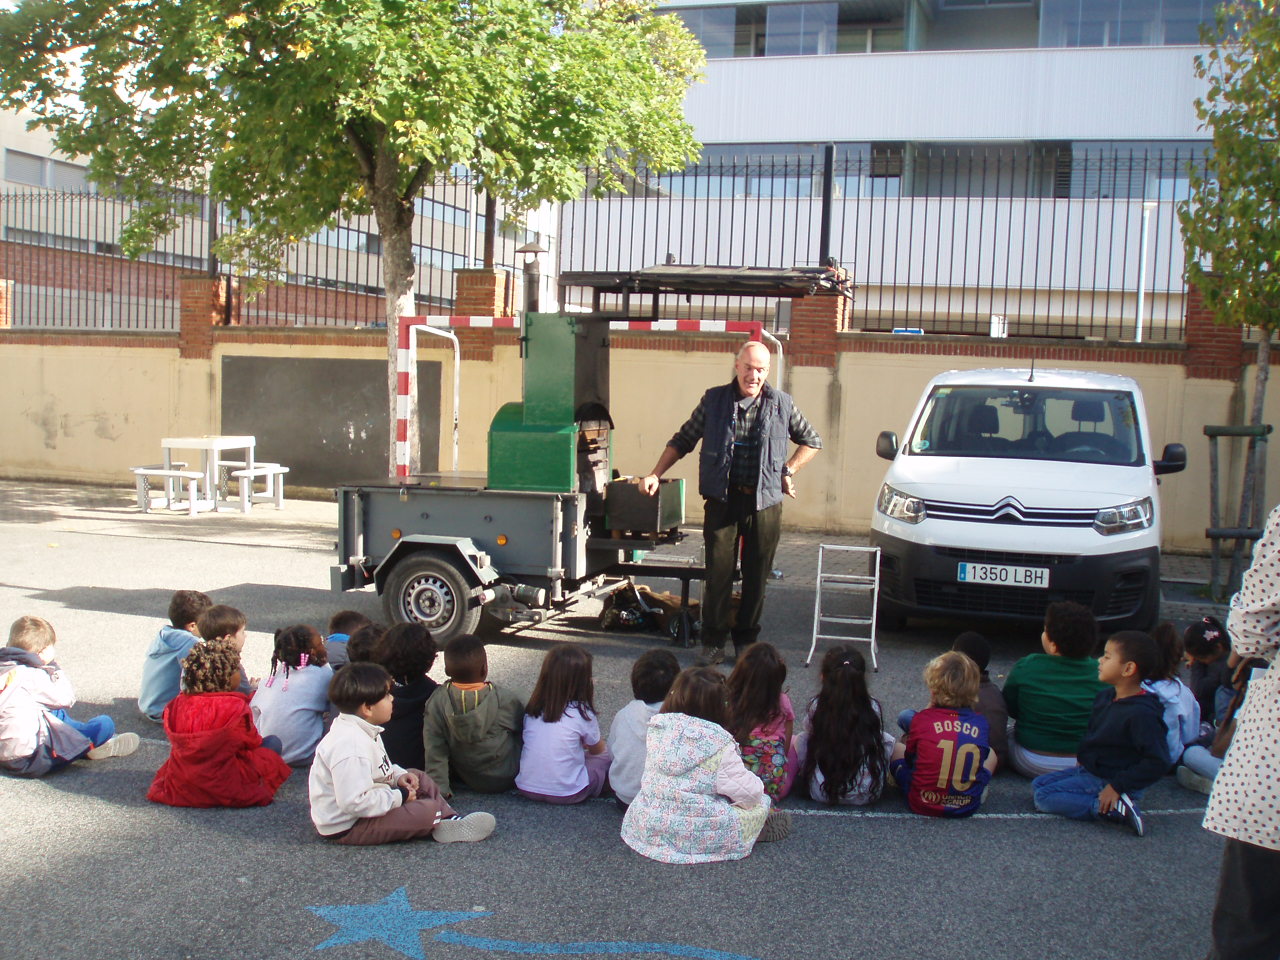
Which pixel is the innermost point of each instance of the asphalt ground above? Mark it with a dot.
(90, 869)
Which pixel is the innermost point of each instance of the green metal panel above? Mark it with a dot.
(549, 369)
(525, 456)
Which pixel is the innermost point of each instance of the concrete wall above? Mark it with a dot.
(89, 407)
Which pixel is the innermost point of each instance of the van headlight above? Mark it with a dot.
(896, 504)
(1128, 516)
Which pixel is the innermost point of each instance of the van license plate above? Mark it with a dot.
(1003, 575)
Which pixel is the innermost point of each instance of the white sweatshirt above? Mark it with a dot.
(351, 776)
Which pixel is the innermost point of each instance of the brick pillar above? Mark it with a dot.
(815, 321)
(481, 292)
(202, 306)
(6, 304)
(1214, 351)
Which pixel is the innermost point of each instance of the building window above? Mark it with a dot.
(800, 29)
(1121, 23)
(39, 171)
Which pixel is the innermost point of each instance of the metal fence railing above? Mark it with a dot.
(62, 252)
(1053, 241)
(1049, 242)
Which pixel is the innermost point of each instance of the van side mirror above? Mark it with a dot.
(1173, 460)
(887, 445)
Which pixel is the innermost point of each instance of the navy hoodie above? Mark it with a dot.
(1125, 743)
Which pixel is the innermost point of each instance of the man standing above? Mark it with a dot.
(743, 471)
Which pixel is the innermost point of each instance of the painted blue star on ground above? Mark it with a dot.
(391, 920)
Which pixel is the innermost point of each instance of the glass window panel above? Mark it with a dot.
(715, 28)
(800, 29)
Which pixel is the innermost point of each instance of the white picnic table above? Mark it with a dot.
(212, 449)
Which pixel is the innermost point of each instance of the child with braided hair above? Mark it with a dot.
(216, 757)
(292, 702)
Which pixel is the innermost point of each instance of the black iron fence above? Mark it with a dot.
(62, 252)
(1047, 241)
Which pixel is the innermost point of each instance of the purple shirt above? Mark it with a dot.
(552, 761)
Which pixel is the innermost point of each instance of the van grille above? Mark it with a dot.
(1000, 556)
(1010, 511)
(987, 598)
(1129, 592)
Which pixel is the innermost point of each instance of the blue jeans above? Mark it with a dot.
(100, 729)
(1071, 793)
(1201, 761)
(904, 720)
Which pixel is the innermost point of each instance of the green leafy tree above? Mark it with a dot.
(297, 112)
(1231, 224)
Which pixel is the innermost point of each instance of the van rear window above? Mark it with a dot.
(1030, 422)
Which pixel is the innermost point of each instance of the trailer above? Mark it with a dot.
(551, 522)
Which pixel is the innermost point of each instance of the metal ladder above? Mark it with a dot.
(845, 582)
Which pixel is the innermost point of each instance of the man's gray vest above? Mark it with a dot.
(716, 457)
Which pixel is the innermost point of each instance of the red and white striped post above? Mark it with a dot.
(406, 354)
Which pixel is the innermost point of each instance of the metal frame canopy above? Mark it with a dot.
(785, 282)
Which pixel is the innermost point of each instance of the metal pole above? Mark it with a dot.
(1147, 207)
(828, 179)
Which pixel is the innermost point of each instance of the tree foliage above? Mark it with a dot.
(1231, 224)
(292, 113)
(296, 111)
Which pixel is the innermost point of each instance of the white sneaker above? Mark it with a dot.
(468, 829)
(1196, 782)
(121, 745)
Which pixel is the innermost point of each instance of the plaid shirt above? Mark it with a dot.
(745, 468)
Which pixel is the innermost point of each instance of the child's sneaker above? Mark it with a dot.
(1128, 811)
(776, 826)
(121, 745)
(1195, 782)
(468, 829)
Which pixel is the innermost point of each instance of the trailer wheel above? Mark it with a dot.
(433, 592)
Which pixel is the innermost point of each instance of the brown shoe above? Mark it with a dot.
(777, 825)
(710, 657)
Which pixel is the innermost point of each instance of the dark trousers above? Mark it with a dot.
(1246, 918)
(722, 524)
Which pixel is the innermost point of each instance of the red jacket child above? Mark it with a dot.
(216, 756)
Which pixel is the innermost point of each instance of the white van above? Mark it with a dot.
(1016, 488)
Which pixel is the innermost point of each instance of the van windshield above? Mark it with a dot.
(1030, 422)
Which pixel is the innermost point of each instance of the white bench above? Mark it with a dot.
(272, 475)
(142, 479)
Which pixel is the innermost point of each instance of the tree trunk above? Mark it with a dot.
(395, 225)
(1252, 493)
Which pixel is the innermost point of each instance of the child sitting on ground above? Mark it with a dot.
(990, 700)
(844, 750)
(1124, 749)
(358, 796)
(1181, 711)
(945, 763)
(228, 624)
(471, 727)
(36, 735)
(651, 677)
(698, 803)
(1210, 667)
(1201, 761)
(341, 625)
(564, 758)
(407, 652)
(762, 718)
(1049, 695)
(291, 703)
(363, 642)
(216, 756)
(162, 670)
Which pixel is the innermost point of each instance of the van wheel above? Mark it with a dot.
(433, 592)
